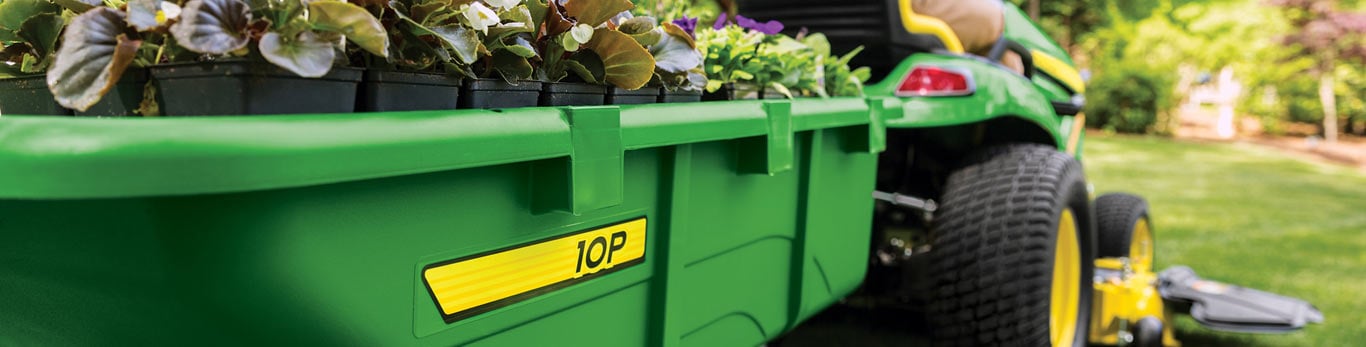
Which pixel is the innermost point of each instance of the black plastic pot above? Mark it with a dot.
(252, 88)
(572, 94)
(383, 91)
(645, 95)
(123, 99)
(667, 96)
(727, 92)
(28, 95)
(497, 93)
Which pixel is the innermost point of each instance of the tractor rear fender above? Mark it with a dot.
(1004, 103)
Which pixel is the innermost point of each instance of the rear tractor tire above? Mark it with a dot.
(1013, 251)
(1125, 230)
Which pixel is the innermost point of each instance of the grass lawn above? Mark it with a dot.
(1250, 216)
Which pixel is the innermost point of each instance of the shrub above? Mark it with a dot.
(1127, 99)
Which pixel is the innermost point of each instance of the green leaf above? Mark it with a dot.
(521, 47)
(142, 14)
(638, 25)
(353, 21)
(627, 64)
(537, 9)
(213, 26)
(511, 67)
(649, 38)
(518, 15)
(581, 33)
(425, 12)
(417, 54)
(675, 53)
(863, 74)
(305, 55)
(568, 42)
(79, 6)
(588, 66)
(463, 41)
(818, 44)
(844, 60)
(13, 14)
(714, 85)
(596, 12)
(43, 30)
(644, 29)
(92, 58)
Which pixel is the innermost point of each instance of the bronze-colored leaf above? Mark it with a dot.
(627, 64)
(596, 12)
(555, 22)
(92, 58)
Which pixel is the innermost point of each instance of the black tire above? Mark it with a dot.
(1148, 332)
(994, 241)
(1117, 215)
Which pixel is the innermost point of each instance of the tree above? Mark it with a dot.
(1330, 37)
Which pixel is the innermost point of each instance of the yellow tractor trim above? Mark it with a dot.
(1059, 70)
(1122, 300)
(1074, 136)
(1066, 290)
(921, 24)
(1141, 247)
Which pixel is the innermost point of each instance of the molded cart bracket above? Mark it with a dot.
(593, 176)
(771, 154)
(874, 140)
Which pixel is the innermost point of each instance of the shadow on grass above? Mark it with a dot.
(842, 325)
(1198, 337)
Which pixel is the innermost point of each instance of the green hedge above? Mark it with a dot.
(1127, 99)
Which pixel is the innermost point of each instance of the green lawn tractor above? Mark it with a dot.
(955, 185)
(984, 219)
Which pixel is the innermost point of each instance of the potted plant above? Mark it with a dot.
(839, 78)
(581, 38)
(678, 64)
(100, 68)
(29, 31)
(504, 68)
(648, 33)
(269, 57)
(432, 45)
(775, 66)
(729, 57)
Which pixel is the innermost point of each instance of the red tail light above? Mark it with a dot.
(936, 81)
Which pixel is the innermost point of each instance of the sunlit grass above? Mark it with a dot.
(1250, 216)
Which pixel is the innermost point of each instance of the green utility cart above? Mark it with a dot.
(694, 224)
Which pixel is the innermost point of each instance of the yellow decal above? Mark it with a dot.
(473, 285)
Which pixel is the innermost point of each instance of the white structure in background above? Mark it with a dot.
(1222, 93)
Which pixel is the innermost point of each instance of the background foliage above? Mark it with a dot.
(1166, 45)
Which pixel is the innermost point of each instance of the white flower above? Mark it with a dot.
(503, 4)
(480, 17)
(169, 11)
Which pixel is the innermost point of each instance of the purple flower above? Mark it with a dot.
(769, 27)
(720, 22)
(689, 25)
